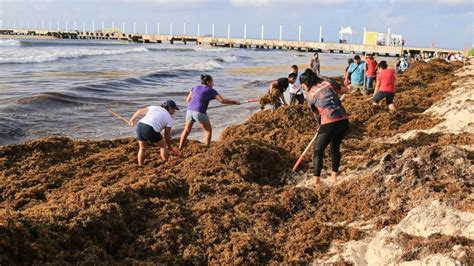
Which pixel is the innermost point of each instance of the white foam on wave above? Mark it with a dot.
(9, 43)
(204, 66)
(210, 49)
(230, 58)
(42, 55)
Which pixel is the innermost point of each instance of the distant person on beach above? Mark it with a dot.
(198, 101)
(315, 64)
(275, 94)
(296, 92)
(403, 65)
(155, 120)
(371, 68)
(355, 76)
(324, 102)
(385, 87)
(347, 81)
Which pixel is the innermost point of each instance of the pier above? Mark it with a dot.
(232, 42)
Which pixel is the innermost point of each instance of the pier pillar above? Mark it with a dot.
(299, 33)
(280, 32)
(320, 34)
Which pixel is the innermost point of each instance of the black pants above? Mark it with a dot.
(331, 133)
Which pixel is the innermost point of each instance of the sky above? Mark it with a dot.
(444, 23)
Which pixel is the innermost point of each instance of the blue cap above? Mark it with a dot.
(171, 103)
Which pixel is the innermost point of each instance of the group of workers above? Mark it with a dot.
(322, 96)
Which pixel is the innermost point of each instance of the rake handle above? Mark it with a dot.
(304, 152)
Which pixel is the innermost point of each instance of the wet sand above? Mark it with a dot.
(236, 202)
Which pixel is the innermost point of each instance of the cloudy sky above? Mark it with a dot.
(447, 23)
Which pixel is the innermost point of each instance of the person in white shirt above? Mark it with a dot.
(296, 92)
(155, 120)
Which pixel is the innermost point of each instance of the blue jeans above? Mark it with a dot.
(370, 82)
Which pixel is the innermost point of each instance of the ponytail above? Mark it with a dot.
(309, 78)
(206, 79)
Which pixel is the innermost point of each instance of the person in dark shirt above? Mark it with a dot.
(275, 92)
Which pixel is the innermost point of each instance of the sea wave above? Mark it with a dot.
(211, 49)
(228, 59)
(42, 56)
(256, 84)
(10, 131)
(203, 66)
(56, 100)
(9, 43)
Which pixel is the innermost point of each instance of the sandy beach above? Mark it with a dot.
(405, 194)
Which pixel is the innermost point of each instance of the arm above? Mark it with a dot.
(272, 85)
(190, 96)
(168, 142)
(339, 88)
(283, 99)
(226, 101)
(344, 90)
(140, 112)
(168, 137)
(377, 86)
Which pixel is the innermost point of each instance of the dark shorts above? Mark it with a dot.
(381, 94)
(147, 133)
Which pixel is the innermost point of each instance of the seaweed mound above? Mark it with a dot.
(68, 201)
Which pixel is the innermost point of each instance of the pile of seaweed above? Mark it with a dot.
(70, 201)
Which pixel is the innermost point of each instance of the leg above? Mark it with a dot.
(143, 147)
(389, 101)
(336, 139)
(187, 129)
(377, 97)
(391, 107)
(292, 98)
(206, 125)
(300, 98)
(322, 142)
(370, 81)
(163, 149)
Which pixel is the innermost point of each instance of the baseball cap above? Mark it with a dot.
(171, 103)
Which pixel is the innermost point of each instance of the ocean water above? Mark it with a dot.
(65, 87)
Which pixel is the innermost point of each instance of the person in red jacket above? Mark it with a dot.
(371, 72)
(385, 87)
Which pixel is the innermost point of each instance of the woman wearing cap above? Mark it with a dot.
(198, 101)
(324, 102)
(157, 118)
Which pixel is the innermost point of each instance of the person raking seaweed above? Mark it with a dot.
(198, 101)
(324, 102)
(274, 95)
(155, 120)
